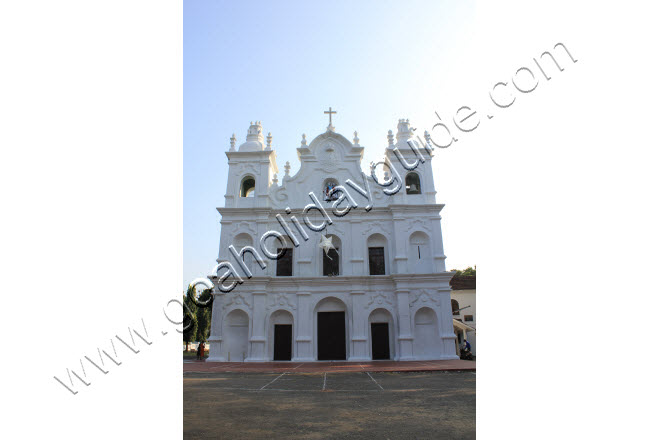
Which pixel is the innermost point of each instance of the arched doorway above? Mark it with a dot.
(280, 335)
(427, 339)
(381, 333)
(331, 330)
(235, 332)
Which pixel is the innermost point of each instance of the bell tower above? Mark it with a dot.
(417, 181)
(251, 170)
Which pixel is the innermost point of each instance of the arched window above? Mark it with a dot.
(376, 245)
(419, 253)
(240, 242)
(454, 307)
(332, 260)
(247, 187)
(328, 186)
(412, 184)
(284, 266)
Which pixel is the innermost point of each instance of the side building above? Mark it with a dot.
(464, 309)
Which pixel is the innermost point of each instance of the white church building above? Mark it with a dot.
(361, 270)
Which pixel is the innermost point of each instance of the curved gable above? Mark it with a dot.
(329, 155)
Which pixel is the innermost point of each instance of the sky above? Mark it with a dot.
(285, 64)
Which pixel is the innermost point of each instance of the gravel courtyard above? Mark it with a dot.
(356, 405)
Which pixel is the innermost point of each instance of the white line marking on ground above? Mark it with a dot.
(337, 391)
(272, 381)
(298, 366)
(374, 381)
(324, 377)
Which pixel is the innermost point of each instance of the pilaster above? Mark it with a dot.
(446, 324)
(303, 337)
(257, 342)
(400, 246)
(359, 340)
(405, 337)
(438, 251)
(215, 339)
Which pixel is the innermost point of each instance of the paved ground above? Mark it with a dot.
(337, 405)
(316, 367)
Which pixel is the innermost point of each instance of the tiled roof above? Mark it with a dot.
(463, 282)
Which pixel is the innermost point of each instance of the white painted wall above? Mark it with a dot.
(407, 226)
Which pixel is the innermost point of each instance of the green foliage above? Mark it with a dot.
(197, 319)
(472, 271)
(189, 320)
(203, 315)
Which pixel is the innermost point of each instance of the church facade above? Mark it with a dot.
(330, 263)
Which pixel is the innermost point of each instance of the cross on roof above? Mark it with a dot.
(330, 112)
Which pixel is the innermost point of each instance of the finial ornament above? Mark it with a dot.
(254, 141)
(330, 113)
(390, 138)
(287, 167)
(356, 139)
(404, 131)
(303, 142)
(274, 179)
(269, 141)
(232, 142)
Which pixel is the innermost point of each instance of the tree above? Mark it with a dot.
(189, 320)
(470, 271)
(203, 315)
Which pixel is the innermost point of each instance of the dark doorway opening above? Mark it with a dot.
(380, 341)
(331, 336)
(283, 333)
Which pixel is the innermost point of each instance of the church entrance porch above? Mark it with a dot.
(331, 336)
(282, 344)
(380, 341)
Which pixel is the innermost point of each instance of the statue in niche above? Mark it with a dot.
(327, 190)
